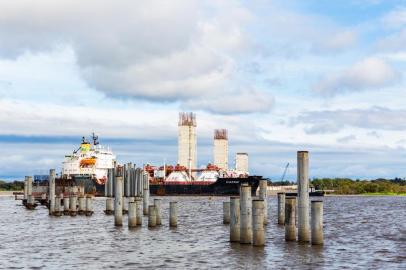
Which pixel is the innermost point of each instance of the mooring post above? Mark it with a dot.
(146, 200)
(89, 205)
(303, 196)
(157, 203)
(263, 195)
(72, 203)
(245, 214)
(51, 199)
(109, 206)
(173, 214)
(226, 212)
(317, 223)
(235, 219)
(151, 216)
(281, 208)
(138, 202)
(82, 205)
(290, 219)
(258, 232)
(118, 201)
(132, 214)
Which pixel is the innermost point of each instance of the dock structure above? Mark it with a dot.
(245, 214)
(263, 195)
(235, 219)
(317, 223)
(303, 196)
(290, 219)
(118, 201)
(258, 231)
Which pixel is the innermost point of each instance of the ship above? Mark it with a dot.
(88, 165)
(210, 181)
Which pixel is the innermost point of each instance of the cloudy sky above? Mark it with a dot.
(317, 75)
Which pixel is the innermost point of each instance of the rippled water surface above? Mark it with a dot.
(360, 232)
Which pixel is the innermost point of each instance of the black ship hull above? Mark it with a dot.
(222, 187)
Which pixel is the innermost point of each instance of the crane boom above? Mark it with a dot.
(284, 172)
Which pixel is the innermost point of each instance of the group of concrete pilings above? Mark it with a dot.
(135, 206)
(247, 217)
(72, 202)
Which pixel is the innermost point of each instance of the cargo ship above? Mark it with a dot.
(211, 181)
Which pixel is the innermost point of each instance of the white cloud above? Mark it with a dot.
(395, 18)
(370, 73)
(336, 42)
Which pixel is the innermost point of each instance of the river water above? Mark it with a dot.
(360, 233)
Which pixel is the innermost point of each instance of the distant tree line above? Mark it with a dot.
(11, 186)
(349, 186)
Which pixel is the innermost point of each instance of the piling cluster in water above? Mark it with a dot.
(247, 217)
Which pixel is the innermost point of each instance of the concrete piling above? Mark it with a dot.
(234, 219)
(51, 199)
(109, 206)
(157, 203)
(317, 223)
(145, 201)
(290, 219)
(118, 201)
(57, 210)
(66, 205)
(138, 201)
(151, 216)
(226, 212)
(132, 214)
(263, 195)
(82, 205)
(125, 205)
(30, 204)
(281, 208)
(173, 214)
(245, 214)
(89, 206)
(258, 232)
(26, 188)
(72, 205)
(303, 196)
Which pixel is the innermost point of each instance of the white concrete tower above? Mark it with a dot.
(241, 163)
(187, 144)
(221, 148)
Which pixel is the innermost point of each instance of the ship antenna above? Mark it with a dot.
(95, 139)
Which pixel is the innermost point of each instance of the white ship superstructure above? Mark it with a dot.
(90, 160)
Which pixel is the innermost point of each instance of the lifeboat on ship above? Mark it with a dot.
(86, 162)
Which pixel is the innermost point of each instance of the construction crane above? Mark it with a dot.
(284, 172)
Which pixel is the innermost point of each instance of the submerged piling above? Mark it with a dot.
(132, 214)
(89, 206)
(226, 212)
(234, 219)
(245, 214)
(263, 195)
(290, 219)
(118, 200)
(258, 232)
(72, 204)
(109, 206)
(51, 199)
(157, 203)
(173, 214)
(281, 208)
(317, 223)
(303, 196)
(138, 202)
(82, 205)
(151, 216)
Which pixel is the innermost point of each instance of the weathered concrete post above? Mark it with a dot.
(146, 200)
(118, 201)
(157, 203)
(151, 216)
(281, 208)
(226, 212)
(290, 219)
(82, 205)
(131, 199)
(245, 214)
(30, 197)
(72, 204)
(303, 196)
(263, 195)
(57, 210)
(51, 198)
(66, 205)
(173, 214)
(89, 205)
(138, 201)
(235, 219)
(26, 188)
(317, 223)
(132, 214)
(258, 232)
(125, 205)
(109, 206)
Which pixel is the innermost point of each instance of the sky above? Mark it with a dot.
(281, 76)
